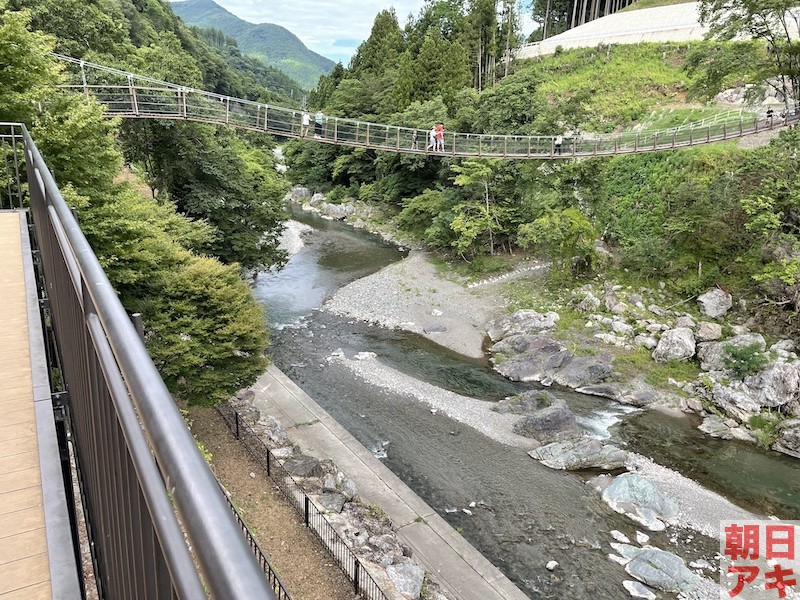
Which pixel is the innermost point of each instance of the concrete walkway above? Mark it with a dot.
(455, 564)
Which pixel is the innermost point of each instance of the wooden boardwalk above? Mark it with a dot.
(24, 564)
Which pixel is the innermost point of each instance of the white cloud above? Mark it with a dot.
(333, 29)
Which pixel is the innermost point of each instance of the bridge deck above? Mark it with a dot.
(24, 564)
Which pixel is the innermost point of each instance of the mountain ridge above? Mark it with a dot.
(274, 45)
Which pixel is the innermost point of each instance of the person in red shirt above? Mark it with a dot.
(440, 137)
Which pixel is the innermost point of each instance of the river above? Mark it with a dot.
(526, 514)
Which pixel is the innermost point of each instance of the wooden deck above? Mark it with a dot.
(24, 563)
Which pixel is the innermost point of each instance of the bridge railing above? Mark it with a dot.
(148, 494)
(133, 96)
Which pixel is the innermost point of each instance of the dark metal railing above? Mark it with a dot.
(272, 576)
(148, 493)
(313, 517)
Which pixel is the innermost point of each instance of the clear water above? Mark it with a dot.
(531, 514)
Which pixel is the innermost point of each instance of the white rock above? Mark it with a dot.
(642, 538)
(620, 537)
(472, 504)
(552, 565)
(618, 559)
(252, 475)
(638, 590)
(466, 511)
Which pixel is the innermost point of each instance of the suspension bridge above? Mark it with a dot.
(133, 96)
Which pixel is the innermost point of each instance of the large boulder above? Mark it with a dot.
(548, 424)
(338, 212)
(298, 193)
(579, 454)
(708, 332)
(735, 401)
(777, 385)
(715, 303)
(302, 465)
(634, 495)
(658, 568)
(712, 354)
(581, 371)
(675, 344)
(407, 578)
(788, 438)
(522, 322)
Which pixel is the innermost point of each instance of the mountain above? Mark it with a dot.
(274, 45)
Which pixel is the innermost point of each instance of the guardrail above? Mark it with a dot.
(128, 95)
(146, 486)
(313, 517)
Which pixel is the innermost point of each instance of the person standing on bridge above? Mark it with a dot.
(431, 139)
(319, 119)
(304, 123)
(440, 137)
(557, 143)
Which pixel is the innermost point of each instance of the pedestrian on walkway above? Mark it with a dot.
(770, 116)
(319, 119)
(414, 140)
(557, 143)
(440, 137)
(304, 123)
(431, 139)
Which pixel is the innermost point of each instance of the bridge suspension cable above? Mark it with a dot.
(129, 95)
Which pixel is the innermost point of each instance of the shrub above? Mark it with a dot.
(744, 360)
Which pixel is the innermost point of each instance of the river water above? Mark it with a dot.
(525, 514)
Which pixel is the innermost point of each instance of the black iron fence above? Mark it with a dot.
(147, 489)
(272, 576)
(313, 517)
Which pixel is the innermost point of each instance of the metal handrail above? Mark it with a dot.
(139, 97)
(180, 475)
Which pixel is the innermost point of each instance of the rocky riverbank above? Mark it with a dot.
(605, 340)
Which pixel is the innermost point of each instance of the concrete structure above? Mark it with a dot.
(673, 23)
(454, 563)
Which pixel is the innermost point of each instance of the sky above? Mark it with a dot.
(330, 28)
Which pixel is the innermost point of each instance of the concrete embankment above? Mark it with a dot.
(455, 564)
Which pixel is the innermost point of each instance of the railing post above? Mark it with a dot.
(398, 138)
(269, 465)
(227, 110)
(655, 140)
(505, 146)
(307, 510)
(236, 419)
(367, 142)
(480, 145)
(636, 143)
(132, 91)
(336, 130)
(724, 131)
(529, 146)
(708, 134)
(356, 574)
(83, 79)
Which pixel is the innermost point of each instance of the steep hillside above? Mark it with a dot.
(273, 44)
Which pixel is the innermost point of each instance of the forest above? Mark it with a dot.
(716, 215)
(178, 212)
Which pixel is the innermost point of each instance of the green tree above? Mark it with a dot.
(566, 235)
(774, 23)
(28, 75)
(206, 333)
